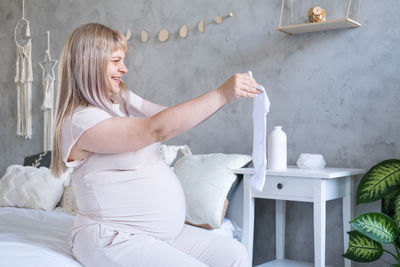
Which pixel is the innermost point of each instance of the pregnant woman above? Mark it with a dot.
(131, 207)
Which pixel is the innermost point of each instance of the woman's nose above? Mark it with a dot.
(123, 68)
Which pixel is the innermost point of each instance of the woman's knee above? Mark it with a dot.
(239, 254)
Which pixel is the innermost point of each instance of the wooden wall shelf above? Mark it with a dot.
(320, 26)
(341, 23)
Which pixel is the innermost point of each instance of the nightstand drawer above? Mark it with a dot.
(288, 186)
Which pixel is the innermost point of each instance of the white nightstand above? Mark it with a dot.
(317, 186)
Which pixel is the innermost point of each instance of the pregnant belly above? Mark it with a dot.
(150, 200)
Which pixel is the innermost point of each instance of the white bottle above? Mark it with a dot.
(277, 149)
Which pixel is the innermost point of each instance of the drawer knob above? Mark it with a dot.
(279, 186)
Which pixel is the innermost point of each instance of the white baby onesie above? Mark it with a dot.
(260, 110)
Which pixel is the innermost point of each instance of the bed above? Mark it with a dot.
(37, 210)
(33, 237)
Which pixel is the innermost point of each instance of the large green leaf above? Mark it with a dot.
(380, 180)
(377, 226)
(396, 216)
(387, 203)
(362, 248)
(397, 242)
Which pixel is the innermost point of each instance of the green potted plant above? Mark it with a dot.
(372, 229)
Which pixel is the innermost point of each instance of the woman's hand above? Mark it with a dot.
(239, 85)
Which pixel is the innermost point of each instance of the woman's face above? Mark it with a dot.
(115, 69)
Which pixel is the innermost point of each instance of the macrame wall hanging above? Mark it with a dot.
(183, 31)
(48, 65)
(24, 75)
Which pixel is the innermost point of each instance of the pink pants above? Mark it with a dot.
(95, 246)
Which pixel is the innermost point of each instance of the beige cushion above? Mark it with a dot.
(206, 181)
(207, 226)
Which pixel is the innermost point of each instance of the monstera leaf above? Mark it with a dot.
(377, 226)
(362, 248)
(380, 180)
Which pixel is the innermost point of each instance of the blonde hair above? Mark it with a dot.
(82, 79)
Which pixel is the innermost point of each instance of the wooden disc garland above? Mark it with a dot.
(144, 36)
(163, 35)
(201, 26)
(183, 31)
(218, 19)
(128, 35)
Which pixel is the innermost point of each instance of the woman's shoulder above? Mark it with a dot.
(87, 115)
(88, 110)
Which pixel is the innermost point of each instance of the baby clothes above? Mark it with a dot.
(260, 110)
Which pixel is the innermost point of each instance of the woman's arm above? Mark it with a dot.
(124, 134)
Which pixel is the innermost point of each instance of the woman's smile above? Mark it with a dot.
(115, 69)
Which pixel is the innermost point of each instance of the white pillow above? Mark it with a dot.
(169, 153)
(30, 187)
(206, 181)
(67, 203)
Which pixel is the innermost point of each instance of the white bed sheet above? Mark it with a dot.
(37, 238)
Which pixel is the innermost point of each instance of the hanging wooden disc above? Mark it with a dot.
(163, 35)
(128, 35)
(183, 31)
(218, 19)
(201, 26)
(144, 36)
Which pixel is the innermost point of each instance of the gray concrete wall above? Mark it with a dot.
(335, 93)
